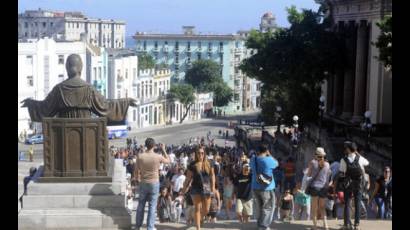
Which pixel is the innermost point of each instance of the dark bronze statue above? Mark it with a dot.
(75, 141)
(75, 98)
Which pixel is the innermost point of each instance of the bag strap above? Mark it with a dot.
(317, 174)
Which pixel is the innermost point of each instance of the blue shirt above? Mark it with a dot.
(266, 165)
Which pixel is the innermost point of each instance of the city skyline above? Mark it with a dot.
(162, 16)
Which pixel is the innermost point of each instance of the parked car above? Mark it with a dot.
(35, 139)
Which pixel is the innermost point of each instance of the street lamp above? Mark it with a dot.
(278, 117)
(322, 107)
(367, 125)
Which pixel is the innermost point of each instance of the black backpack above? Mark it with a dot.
(353, 169)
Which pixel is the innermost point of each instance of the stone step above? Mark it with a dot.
(73, 201)
(72, 188)
(115, 218)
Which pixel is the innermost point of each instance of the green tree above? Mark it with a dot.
(145, 61)
(293, 62)
(384, 41)
(202, 75)
(184, 93)
(222, 94)
(205, 76)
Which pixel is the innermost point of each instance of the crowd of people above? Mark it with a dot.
(196, 183)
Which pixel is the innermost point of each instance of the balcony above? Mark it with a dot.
(209, 50)
(165, 49)
(188, 50)
(221, 50)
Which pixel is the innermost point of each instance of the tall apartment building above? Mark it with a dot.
(41, 66)
(178, 51)
(71, 26)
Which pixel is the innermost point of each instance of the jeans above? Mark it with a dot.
(264, 207)
(148, 192)
(357, 197)
(382, 205)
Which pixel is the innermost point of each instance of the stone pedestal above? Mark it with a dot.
(75, 149)
(73, 206)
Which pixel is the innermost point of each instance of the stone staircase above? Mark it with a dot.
(73, 206)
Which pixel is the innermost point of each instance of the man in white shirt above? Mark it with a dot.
(177, 182)
(353, 171)
(172, 157)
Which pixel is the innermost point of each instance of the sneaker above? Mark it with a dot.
(356, 227)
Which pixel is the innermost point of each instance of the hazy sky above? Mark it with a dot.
(168, 16)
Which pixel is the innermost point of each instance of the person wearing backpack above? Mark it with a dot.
(263, 186)
(352, 171)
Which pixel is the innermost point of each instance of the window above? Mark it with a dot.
(119, 94)
(134, 115)
(189, 46)
(95, 73)
(176, 59)
(138, 90)
(258, 86)
(156, 45)
(29, 60)
(145, 45)
(51, 24)
(44, 24)
(237, 82)
(176, 46)
(155, 89)
(25, 34)
(25, 25)
(60, 59)
(199, 45)
(99, 73)
(35, 24)
(221, 59)
(199, 56)
(221, 45)
(78, 25)
(126, 73)
(30, 81)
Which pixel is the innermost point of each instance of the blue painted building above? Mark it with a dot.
(178, 51)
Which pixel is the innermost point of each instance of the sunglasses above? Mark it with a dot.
(319, 157)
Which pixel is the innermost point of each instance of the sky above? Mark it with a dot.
(168, 16)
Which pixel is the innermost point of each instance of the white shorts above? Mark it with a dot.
(244, 207)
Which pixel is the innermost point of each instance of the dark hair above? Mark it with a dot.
(350, 145)
(149, 143)
(262, 148)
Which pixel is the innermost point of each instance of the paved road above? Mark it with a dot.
(296, 225)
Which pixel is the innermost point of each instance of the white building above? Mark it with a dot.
(41, 66)
(150, 89)
(71, 26)
(97, 68)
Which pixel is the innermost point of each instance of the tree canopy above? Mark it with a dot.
(145, 61)
(384, 42)
(293, 62)
(205, 76)
(184, 93)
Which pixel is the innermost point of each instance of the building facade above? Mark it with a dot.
(364, 84)
(97, 68)
(178, 51)
(71, 26)
(41, 66)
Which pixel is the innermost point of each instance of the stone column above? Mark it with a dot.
(338, 82)
(348, 89)
(361, 72)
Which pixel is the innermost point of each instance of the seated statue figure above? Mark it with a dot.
(75, 98)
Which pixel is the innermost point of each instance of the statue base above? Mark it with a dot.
(100, 179)
(75, 148)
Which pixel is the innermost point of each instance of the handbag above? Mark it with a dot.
(206, 186)
(262, 178)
